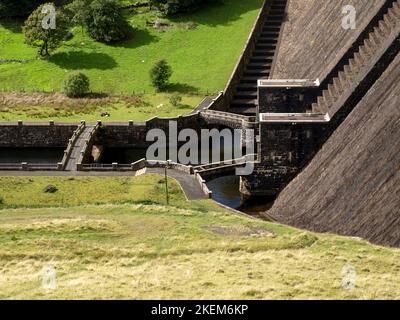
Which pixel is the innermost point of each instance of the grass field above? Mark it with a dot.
(73, 191)
(130, 248)
(43, 107)
(202, 58)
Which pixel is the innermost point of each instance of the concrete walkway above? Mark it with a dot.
(189, 185)
(77, 147)
(204, 105)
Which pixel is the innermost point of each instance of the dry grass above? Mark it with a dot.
(147, 252)
(131, 249)
(56, 106)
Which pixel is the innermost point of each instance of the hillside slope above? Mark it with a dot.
(313, 39)
(352, 186)
(117, 239)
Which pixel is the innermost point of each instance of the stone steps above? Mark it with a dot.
(259, 66)
(352, 74)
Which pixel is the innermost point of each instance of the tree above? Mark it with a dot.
(78, 12)
(105, 21)
(76, 85)
(48, 38)
(160, 74)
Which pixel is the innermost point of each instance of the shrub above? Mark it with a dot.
(171, 7)
(160, 74)
(78, 11)
(303, 240)
(76, 85)
(105, 22)
(1, 200)
(175, 100)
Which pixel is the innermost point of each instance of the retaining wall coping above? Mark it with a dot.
(288, 83)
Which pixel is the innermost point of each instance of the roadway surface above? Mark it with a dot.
(189, 185)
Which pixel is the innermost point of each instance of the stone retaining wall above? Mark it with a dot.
(48, 135)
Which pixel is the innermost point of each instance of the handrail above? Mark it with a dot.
(91, 134)
(228, 115)
(25, 166)
(237, 161)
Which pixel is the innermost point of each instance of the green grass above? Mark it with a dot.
(202, 58)
(189, 250)
(73, 191)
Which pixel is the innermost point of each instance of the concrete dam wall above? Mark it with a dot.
(313, 40)
(352, 186)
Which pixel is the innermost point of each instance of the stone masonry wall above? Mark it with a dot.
(40, 136)
(286, 100)
(284, 150)
(134, 135)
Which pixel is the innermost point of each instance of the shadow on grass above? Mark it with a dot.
(181, 88)
(221, 12)
(185, 107)
(96, 95)
(76, 60)
(13, 25)
(138, 38)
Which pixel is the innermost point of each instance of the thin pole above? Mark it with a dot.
(166, 183)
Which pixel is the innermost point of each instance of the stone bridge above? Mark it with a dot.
(79, 141)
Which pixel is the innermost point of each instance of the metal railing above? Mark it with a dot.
(233, 162)
(218, 115)
(25, 166)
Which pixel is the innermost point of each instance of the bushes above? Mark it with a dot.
(171, 7)
(76, 85)
(105, 23)
(160, 74)
(175, 100)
